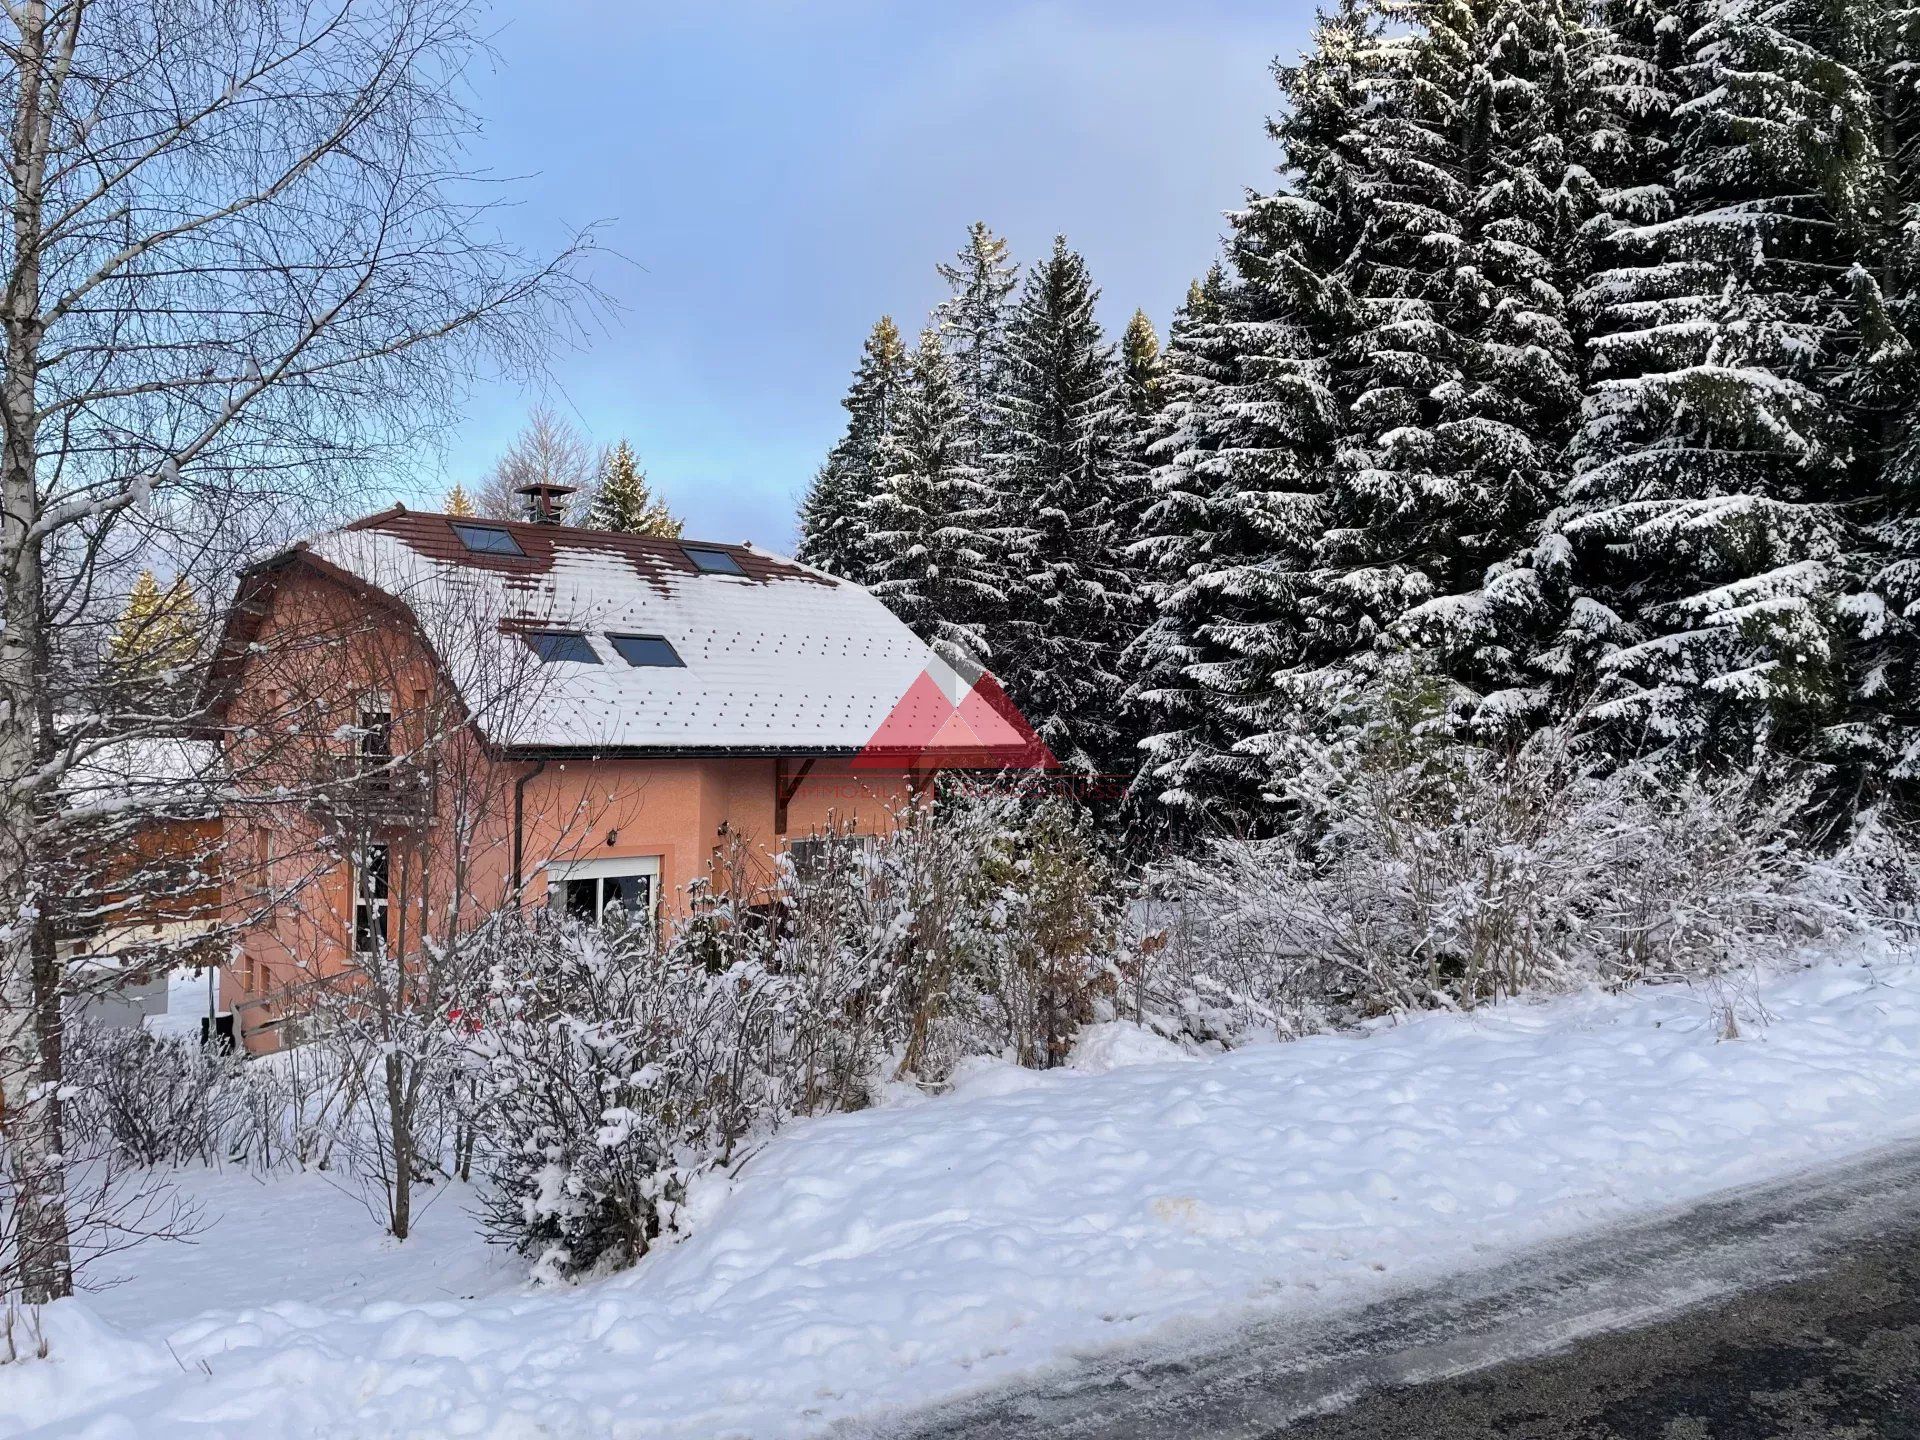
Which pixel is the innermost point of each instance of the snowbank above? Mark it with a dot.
(906, 1254)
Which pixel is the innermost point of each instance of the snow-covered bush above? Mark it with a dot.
(1414, 871)
(610, 1068)
(997, 915)
(161, 1099)
(294, 1107)
(609, 1071)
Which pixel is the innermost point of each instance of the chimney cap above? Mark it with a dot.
(544, 499)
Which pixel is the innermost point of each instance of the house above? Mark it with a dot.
(144, 949)
(430, 717)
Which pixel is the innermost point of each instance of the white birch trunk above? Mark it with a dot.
(29, 998)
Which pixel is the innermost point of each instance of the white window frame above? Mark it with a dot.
(622, 867)
(373, 904)
(373, 716)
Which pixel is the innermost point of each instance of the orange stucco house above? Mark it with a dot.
(430, 717)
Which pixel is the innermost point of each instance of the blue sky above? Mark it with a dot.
(777, 175)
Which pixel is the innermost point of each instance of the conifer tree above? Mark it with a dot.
(1623, 138)
(624, 502)
(1142, 373)
(973, 319)
(1142, 396)
(159, 633)
(1713, 463)
(933, 560)
(1189, 770)
(458, 502)
(1244, 448)
(1055, 485)
(1460, 372)
(833, 517)
(1881, 379)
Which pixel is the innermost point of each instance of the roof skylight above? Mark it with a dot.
(558, 645)
(712, 560)
(487, 539)
(643, 651)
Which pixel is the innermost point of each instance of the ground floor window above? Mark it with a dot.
(817, 856)
(370, 901)
(591, 889)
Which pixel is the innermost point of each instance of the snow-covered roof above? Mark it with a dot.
(173, 774)
(778, 658)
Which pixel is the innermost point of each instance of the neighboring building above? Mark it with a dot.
(146, 949)
(433, 717)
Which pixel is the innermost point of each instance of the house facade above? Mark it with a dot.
(427, 718)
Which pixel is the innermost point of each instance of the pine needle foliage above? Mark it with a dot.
(624, 502)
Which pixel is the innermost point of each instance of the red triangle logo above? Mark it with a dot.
(991, 714)
(926, 731)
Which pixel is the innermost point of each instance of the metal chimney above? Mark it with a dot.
(546, 502)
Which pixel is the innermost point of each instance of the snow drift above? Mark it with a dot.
(896, 1256)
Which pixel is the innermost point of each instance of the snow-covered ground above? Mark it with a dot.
(903, 1255)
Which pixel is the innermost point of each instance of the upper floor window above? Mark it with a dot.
(646, 650)
(712, 560)
(570, 645)
(376, 729)
(375, 743)
(487, 539)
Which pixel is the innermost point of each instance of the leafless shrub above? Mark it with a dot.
(162, 1100)
(1417, 872)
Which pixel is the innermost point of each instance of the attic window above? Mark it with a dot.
(556, 645)
(646, 650)
(487, 539)
(712, 560)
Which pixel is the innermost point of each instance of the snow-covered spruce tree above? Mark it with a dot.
(973, 322)
(934, 562)
(1712, 461)
(1055, 485)
(1460, 368)
(1187, 770)
(1629, 75)
(1142, 396)
(832, 518)
(623, 501)
(1293, 333)
(1243, 448)
(1882, 378)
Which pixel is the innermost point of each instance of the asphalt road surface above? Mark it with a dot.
(1783, 1312)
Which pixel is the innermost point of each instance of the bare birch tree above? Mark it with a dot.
(548, 451)
(244, 262)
